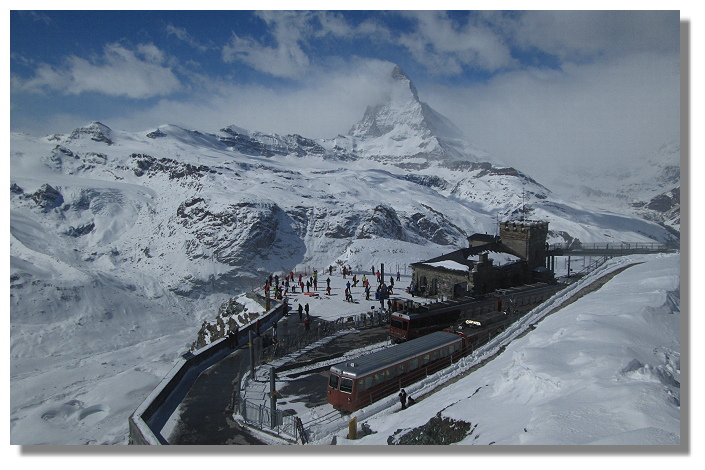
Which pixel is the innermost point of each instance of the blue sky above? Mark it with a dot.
(530, 87)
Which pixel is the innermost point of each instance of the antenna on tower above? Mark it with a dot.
(523, 203)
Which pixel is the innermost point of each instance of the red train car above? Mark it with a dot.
(358, 383)
(417, 320)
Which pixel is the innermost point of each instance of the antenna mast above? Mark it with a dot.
(523, 204)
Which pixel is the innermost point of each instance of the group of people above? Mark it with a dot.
(280, 288)
(305, 319)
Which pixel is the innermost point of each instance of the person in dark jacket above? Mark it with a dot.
(402, 399)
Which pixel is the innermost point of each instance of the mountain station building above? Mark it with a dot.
(515, 257)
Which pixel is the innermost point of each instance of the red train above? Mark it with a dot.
(417, 320)
(466, 325)
(358, 383)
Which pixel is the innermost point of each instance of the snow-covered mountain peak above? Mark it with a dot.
(95, 131)
(404, 127)
(402, 85)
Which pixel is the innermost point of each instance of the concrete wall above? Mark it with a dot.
(146, 423)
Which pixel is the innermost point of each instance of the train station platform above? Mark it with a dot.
(205, 415)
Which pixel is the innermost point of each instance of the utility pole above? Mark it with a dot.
(252, 354)
(273, 397)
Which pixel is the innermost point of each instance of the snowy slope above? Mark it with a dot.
(122, 244)
(650, 190)
(604, 370)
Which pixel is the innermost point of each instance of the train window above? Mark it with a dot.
(369, 382)
(425, 359)
(379, 378)
(444, 352)
(346, 385)
(413, 364)
(401, 369)
(406, 325)
(333, 383)
(396, 323)
(434, 356)
(361, 385)
(391, 373)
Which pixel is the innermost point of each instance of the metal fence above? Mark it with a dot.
(281, 422)
(321, 329)
(625, 247)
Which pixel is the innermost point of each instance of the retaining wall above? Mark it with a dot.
(146, 423)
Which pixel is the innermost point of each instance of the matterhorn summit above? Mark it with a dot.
(405, 128)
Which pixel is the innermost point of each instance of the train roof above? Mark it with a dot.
(370, 363)
(527, 289)
(434, 308)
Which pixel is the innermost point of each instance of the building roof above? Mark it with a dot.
(465, 259)
(485, 237)
(499, 258)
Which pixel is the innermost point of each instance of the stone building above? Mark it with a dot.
(516, 257)
(526, 239)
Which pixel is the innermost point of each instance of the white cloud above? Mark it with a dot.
(547, 122)
(586, 34)
(446, 47)
(183, 35)
(326, 104)
(440, 44)
(119, 71)
(285, 58)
